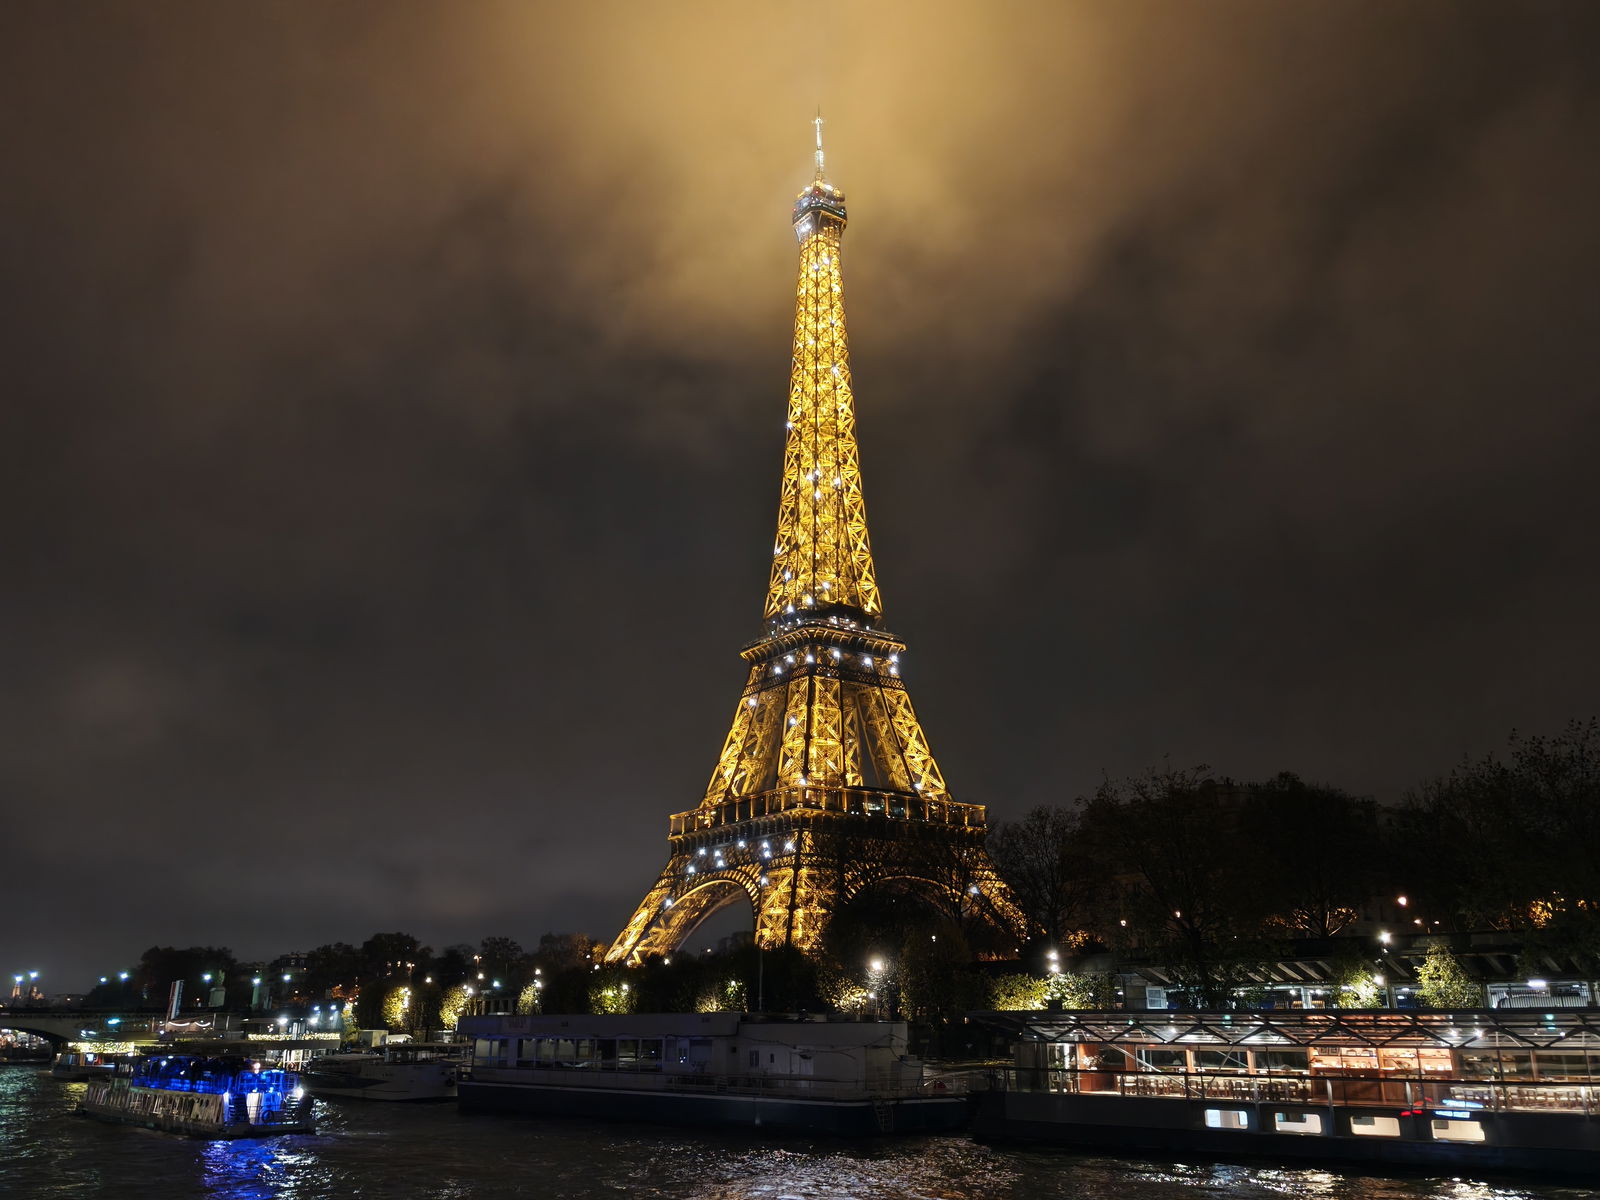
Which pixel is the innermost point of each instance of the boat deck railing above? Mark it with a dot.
(1340, 1091)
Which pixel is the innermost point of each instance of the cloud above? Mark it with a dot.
(396, 388)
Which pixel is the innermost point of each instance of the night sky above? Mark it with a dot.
(393, 401)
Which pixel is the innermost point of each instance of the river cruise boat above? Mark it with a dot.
(831, 1077)
(202, 1097)
(397, 1071)
(1491, 1089)
(75, 1066)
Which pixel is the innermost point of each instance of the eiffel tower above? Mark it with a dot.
(826, 786)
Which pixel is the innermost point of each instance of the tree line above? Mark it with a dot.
(1214, 876)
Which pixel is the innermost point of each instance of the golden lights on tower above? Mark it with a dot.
(826, 784)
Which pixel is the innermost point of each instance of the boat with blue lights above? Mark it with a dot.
(1482, 1089)
(226, 1097)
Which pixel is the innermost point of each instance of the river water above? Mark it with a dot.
(370, 1151)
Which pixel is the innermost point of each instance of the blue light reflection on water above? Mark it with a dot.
(375, 1151)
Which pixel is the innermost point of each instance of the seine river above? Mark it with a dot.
(376, 1151)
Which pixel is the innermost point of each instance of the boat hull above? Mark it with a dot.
(1546, 1143)
(842, 1118)
(197, 1128)
(192, 1114)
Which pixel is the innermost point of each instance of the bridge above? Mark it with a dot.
(62, 1025)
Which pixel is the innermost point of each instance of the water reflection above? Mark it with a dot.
(379, 1151)
(241, 1169)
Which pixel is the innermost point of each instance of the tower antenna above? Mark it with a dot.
(818, 123)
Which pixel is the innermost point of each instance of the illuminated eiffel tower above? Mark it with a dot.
(826, 786)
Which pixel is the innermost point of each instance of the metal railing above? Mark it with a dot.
(1335, 1091)
(866, 802)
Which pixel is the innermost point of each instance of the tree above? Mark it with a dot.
(500, 958)
(1353, 980)
(567, 951)
(452, 1003)
(1168, 876)
(1510, 842)
(937, 979)
(1017, 993)
(336, 965)
(1442, 982)
(1041, 860)
(1082, 991)
(1318, 853)
(391, 955)
(456, 963)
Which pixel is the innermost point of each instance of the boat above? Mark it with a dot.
(1498, 1089)
(786, 1074)
(226, 1097)
(75, 1066)
(399, 1071)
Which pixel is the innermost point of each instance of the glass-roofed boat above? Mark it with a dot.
(1494, 1087)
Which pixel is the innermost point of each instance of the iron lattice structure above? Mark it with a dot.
(826, 785)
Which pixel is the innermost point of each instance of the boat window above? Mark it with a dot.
(1436, 1058)
(1282, 1060)
(1297, 1122)
(528, 1050)
(1375, 1126)
(627, 1054)
(1227, 1118)
(1155, 1059)
(1556, 1065)
(606, 1051)
(1392, 1059)
(649, 1055)
(1220, 1060)
(1113, 1058)
(547, 1051)
(1448, 1129)
(1344, 1058)
(1516, 1064)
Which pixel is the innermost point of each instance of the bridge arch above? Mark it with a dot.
(73, 1025)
